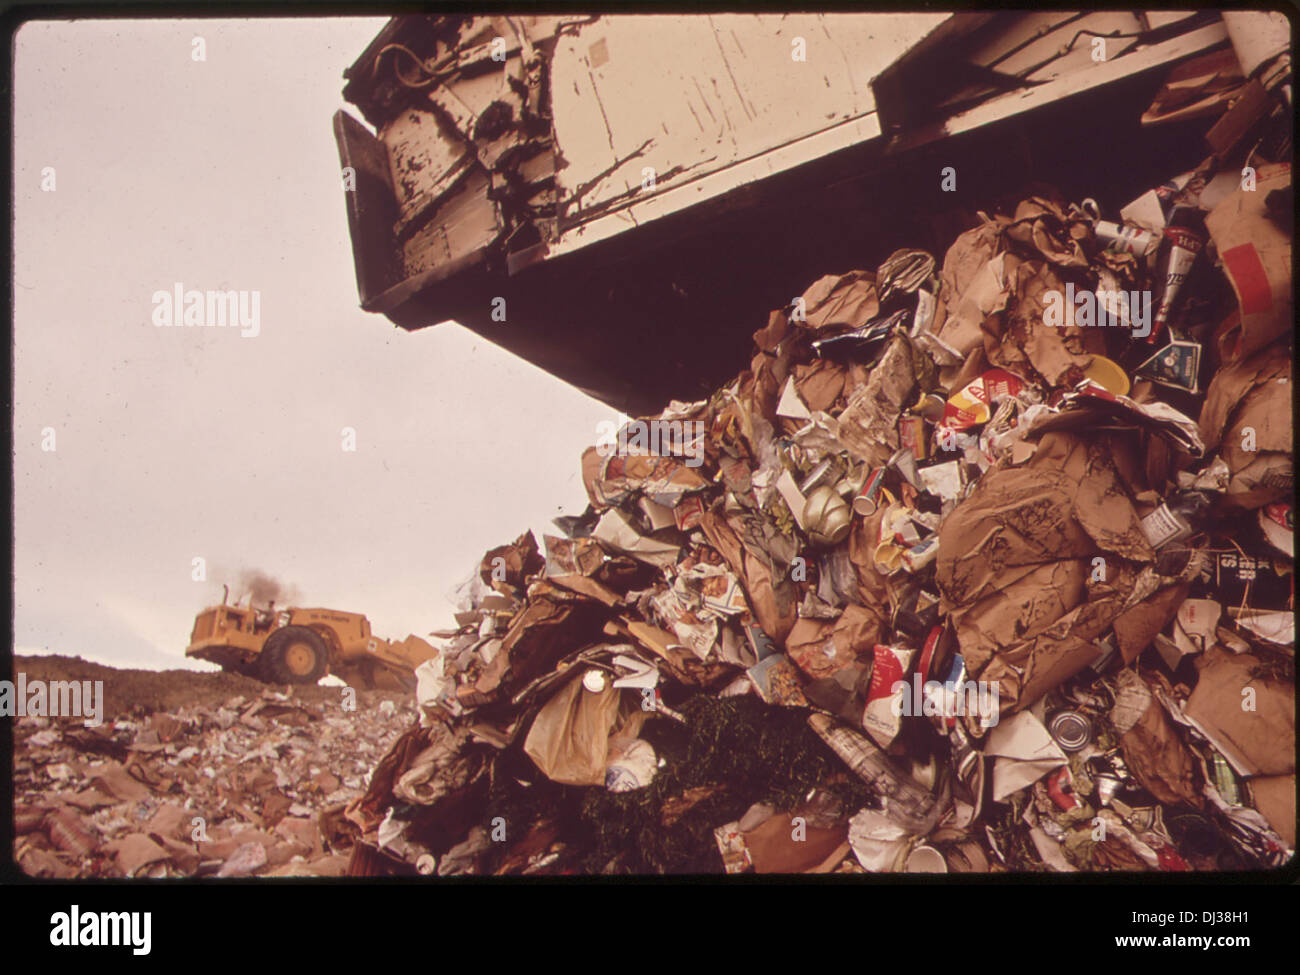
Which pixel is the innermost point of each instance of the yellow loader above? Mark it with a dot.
(302, 645)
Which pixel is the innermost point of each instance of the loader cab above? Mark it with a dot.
(264, 620)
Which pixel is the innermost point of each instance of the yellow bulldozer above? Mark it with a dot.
(302, 645)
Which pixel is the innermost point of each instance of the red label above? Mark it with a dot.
(1281, 514)
(1187, 239)
(890, 666)
(1170, 860)
(1249, 277)
(927, 653)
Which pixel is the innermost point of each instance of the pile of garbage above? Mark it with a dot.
(247, 785)
(984, 564)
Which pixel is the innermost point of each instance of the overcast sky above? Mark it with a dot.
(176, 443)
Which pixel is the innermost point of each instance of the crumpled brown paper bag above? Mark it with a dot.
(846, 300)
(1014, 558)
(1153, 748)
(772, 596)
(973, 287)
(1066, 503)
(1137, 627)
(1024, 338)
(1247, 415)
(821, 648)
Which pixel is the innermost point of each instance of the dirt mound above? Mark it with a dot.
(130, 692)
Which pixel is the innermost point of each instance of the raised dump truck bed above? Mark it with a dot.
(618, 199)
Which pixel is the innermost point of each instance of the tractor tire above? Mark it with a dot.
(294, 655)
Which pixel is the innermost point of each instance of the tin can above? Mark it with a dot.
(1060, 788)
(1183, 241)
(911, 436)
(890, 666)
(930, 406)
(868, 499)
(824, 472)
(1071, 730)
(1125, 240)
(925, 859)
(1107, 786)
(928, 652)
(921, 554)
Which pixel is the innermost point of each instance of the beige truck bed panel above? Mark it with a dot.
(688, 96)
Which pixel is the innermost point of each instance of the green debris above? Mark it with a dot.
(751, 751)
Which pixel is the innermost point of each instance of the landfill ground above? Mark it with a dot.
(267, 772)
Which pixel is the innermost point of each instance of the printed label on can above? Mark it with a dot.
(1163, 526)
(880, 718)
(1124, 240)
